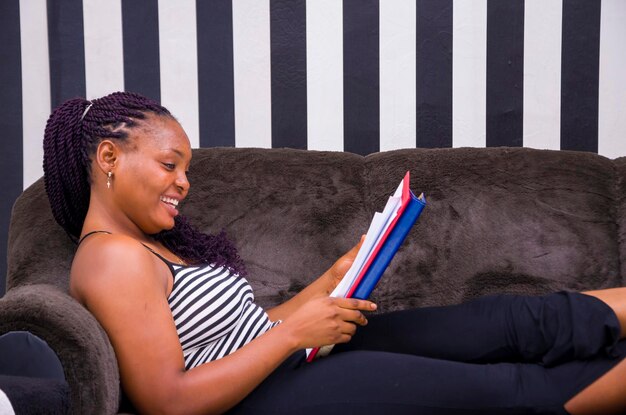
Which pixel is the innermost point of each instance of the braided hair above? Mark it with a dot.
(71, 138)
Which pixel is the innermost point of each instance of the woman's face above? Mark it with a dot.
(150, 176)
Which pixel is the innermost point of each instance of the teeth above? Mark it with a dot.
(171, 201)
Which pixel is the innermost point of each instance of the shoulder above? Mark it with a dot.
(111, 263)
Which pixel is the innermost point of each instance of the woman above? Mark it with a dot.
(189, 338)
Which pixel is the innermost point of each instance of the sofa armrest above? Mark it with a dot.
(76, 337)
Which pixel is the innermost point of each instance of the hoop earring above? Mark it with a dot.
(109, 175)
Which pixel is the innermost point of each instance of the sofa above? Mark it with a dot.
(498, 220)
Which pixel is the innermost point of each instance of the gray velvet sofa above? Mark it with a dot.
(498, 220)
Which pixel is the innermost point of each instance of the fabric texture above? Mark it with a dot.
(75, 336)
(499, 220)
(214, 312)
(501, 354)
(35, 396)
(24, 354)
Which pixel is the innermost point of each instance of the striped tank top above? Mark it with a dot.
(214, 312)
(213, 309)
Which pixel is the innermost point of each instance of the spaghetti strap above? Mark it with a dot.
(169, 263)
(161, 257)
(91, 233)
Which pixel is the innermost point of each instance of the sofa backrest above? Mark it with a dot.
(497, 220)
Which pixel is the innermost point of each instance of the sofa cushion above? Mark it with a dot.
(292, 213)
(499, 220)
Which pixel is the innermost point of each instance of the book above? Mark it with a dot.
(384, 237)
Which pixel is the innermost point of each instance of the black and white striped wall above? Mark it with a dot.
(354, 75)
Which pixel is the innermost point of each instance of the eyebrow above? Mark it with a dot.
(180, 153)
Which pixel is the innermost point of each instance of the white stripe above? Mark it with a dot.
(238, 336)
(542, 73)
(179, 64)
(35, 85)
(188, 279)
(612, 84)
(185, 318)
(104, 53)
(252, 66)
(182, 311)
(324, 67)
(469, 73)
(397, 74)
(5, 405)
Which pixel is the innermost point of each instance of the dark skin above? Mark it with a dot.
(126, 289)
(606, 395)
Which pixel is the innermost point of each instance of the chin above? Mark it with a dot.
(161, 225)
(170, 225)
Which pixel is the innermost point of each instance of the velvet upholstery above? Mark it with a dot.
(498, 220)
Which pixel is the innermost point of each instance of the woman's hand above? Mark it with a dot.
(342, 265)
(327, 320)
(320, 288)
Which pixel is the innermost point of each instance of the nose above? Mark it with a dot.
(182, 183)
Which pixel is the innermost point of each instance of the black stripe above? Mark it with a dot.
(201, 297)
(231, 315)
(11, 178)
(213, 280)
(288, 55)
(505, 72)
(361, 92)
(216, 85)
(140, 28)
(434, 73)
(237, 338)
(67, 50)
(183, 282)
(580, 66)
(194, 356)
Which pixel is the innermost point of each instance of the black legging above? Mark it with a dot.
(496, 355)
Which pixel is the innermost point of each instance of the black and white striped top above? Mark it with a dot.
(214, 312)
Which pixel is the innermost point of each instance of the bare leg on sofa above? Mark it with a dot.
(607, 395)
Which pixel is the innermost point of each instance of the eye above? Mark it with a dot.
(169, 166)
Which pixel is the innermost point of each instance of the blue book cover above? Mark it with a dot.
(390, 246)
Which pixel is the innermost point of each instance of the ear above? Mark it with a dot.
(107, 155)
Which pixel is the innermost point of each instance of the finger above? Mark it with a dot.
(358, 318)
(344, 338)
(353, 317)
(355, 304)
(349, 329)
(355, 249)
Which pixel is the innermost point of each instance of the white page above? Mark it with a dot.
(378, 226)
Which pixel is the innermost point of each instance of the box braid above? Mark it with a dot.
(71, 138)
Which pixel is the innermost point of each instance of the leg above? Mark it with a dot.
(606, 395)
(547, 329)
(366, 382)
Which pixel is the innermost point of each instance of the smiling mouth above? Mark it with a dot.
(170, 201)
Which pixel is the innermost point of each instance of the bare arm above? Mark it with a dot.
(322, 286)
(128, 297)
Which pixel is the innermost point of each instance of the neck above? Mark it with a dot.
(102, 215)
